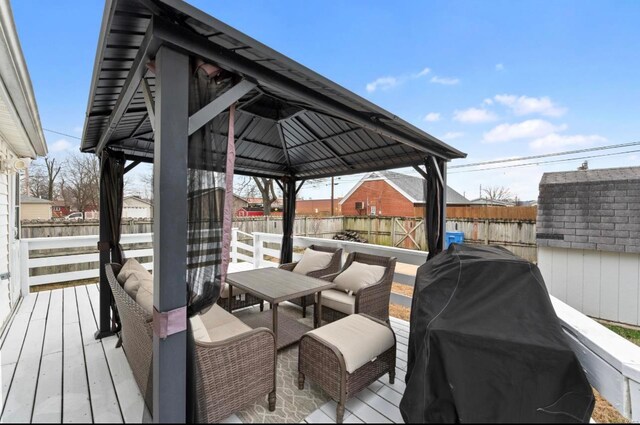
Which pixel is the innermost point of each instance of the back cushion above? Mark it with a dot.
(312, 261)
(132, 276)
(358, 275)
(144, 298)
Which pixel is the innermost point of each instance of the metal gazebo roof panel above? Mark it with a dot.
(294, 122)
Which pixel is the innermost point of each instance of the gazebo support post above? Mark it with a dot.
(104, 247)
(170, 233)
(288, 218)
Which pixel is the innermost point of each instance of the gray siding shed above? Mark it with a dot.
(591, 210)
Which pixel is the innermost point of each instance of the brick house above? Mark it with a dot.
(391, 194)
(588, 236)
(317, 207)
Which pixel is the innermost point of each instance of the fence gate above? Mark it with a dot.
(404, 233)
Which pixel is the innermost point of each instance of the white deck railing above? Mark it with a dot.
(611, 363)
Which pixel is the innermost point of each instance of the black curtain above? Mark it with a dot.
(288, 219)
(207, 184)
(434, 196)
(112, 188)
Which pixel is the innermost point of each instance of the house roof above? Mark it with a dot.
(491, 202)
(590, 209)
(19, 119)
(293, 122)
(411, 187)
(137, 198)
(24, 199)
(597, 175)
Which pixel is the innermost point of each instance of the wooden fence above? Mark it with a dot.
(493, 213)
(519, 236)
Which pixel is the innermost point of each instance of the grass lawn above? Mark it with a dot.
(632, 335)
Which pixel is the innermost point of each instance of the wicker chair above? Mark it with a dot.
(333, 267)
(247, 300)
(373, 299)
(231, 373)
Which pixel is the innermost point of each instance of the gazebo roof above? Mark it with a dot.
(293, 122)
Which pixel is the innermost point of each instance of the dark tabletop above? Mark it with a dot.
(276, 285)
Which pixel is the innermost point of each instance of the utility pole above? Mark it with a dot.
(332, 210)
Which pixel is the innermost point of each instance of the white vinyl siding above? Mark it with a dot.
(9, 294)
(600, 284)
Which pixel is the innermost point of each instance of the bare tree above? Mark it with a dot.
(81, 182)
(266, 187)
(37, 181)
(53, 170)
(497, 193)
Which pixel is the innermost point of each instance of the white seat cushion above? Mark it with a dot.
(312, 261)
(132, 276)
(359, 339)
(357, 276)
(217, 324)
(339, 301)
(144, 298)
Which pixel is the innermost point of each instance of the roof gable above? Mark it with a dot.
(411, 187)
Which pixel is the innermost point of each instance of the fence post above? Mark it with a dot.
(486, 232)
(24, 268)
(257, 251)
(234, 245)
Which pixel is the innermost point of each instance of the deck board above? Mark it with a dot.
(55, 371)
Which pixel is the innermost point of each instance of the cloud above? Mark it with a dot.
(382, 83)
(523, 130)
(524, 105)
(499, 67)
(452, 135)
(432, 117)
(488, 101)
(474, 115)
(386, 83)
(556, 141)
(60, 145)
(422, 73)
(447, 81)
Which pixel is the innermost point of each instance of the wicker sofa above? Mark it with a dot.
(372, 299)
(333, 267)
(233, 371)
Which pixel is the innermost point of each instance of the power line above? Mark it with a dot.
(525, 158)
(62, 134)
(547, 162)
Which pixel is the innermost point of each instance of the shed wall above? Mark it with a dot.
(379, 194)
(600, 284)
(35, 211)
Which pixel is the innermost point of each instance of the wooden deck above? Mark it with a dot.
(53, 370)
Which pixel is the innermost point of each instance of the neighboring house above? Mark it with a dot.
(60, 209)
(318, 207)
(588, 234)
(32, 208)
(135, 207)
(491, 202)
(391, 194)
(20, 137)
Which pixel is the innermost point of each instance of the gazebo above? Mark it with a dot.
(291, 124)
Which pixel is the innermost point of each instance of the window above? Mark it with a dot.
(372, 210)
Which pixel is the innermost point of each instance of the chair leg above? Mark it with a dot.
(392, 376)
(272, 401)
(262, 305)
(340, 413)
(119, 342)
(300, 381)
(303, 301)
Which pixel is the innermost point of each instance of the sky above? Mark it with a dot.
(495, 79)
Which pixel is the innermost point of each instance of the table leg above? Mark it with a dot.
(318, 311)
(230, 298)
(274, 319)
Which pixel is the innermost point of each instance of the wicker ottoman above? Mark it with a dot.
(347, 356)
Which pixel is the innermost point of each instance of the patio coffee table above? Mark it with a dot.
(275, 286)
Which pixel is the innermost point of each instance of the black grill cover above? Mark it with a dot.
(486, 345)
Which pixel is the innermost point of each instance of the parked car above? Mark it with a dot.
(76, 216)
